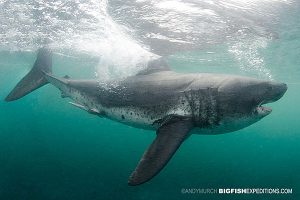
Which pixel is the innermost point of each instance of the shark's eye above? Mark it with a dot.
(269, 88)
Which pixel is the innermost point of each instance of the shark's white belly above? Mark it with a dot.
(141, 117)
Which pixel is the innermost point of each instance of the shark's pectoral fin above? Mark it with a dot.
(169, 138)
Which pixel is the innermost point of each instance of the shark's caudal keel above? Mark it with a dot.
(157, 98)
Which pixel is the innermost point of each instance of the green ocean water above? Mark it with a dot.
(52, 150)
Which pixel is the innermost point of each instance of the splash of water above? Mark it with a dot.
(76, 26)
(171, 26)
(125, 34)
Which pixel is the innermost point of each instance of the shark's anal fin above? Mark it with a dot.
(78, 106)
(169, 138)
(93, 111)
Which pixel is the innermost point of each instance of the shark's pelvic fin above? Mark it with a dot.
(169, 138)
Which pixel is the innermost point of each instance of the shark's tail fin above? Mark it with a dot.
(35, 78)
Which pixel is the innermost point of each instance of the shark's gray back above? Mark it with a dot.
(144, 90)
(154, 89)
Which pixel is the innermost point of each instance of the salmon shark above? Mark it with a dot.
(175, 105)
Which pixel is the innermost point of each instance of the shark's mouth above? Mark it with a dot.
(262, 110)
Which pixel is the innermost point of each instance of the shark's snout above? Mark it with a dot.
(271, 91)
(275, 91)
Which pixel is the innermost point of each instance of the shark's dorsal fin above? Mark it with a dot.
(169, 138)
(156, 65)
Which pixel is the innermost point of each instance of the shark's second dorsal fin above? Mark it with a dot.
(156, 65)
